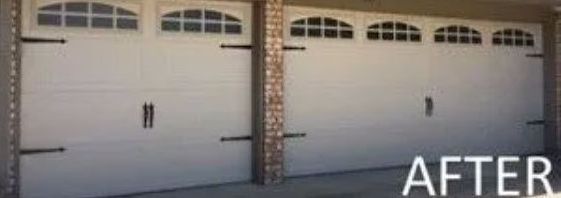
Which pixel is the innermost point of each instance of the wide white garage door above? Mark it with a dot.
(375, 90)
(139, 96)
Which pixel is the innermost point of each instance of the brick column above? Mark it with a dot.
(9, 97)
(268, 76)
(557, 86)
(551, 92)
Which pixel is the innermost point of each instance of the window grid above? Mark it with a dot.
(202, 21)
(339, 30)
(380, 30)
(63, 14)
(513, 37)
(333, 29)
(457, 35)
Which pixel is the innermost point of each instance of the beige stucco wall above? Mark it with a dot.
(448, 8)
(472, 9)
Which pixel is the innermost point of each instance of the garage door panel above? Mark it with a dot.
(81, 118)
(167, 66)
(135, 164)
(364, 153)
(357, 92)
(504, 88)
(347, 111)
(211, 114)
(111, 64)
(99, 132)
(191, 126)
(518, 99)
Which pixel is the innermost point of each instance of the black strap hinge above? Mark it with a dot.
(536, 122)
(534, 55)
(237, 138)
(248, 138)
(231, 46)
(295, 135)
(42, 40)
(41, 151)
(249, 47)
(294, 48)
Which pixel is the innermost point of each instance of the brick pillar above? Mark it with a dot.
(557, 86)
(268, 71)
(551, 93)
(9, 97)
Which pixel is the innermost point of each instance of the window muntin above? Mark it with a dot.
(394, 31)
(321, 27)
(457, 34)
(201, 21)
(513, 37)
(87, 15)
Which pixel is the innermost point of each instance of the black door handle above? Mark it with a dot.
(429, 106)
(151, 109)
(145, 115)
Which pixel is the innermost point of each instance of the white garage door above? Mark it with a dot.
(375, 90)
(88, 96)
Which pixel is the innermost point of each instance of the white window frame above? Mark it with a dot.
(322, 28)
(526, 36)
(128, 5)
(380, 30)
(240, 10)
(202, 21)
(458, 34)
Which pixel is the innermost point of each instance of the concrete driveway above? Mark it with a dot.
(381, 183)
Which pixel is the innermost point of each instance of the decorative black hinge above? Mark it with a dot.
(42, 40)
(238, 138)
(295, 135)
(249, 47)
(534, 55)
(232, 46)
(536, 122)
(248, 138)
(294, 48)
(41, 151)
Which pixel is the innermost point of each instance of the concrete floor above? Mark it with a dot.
(382, 183)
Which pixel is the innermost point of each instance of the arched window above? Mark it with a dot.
(457, 34)
(321, 27)
(201, 21)
(513, 37)
(87, 15)
(394, 31)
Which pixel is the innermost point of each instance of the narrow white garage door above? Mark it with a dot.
(375, 90)
(139, 96)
